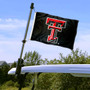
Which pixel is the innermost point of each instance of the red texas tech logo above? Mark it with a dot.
(55, 26)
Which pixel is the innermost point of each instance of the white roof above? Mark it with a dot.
(79, 70)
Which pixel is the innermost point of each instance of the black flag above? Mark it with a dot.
(54, 30)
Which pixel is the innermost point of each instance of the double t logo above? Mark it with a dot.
(55, 26)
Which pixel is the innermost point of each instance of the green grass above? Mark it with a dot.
(5, 87)
(8, 88)
(10, 85)
(13, 88)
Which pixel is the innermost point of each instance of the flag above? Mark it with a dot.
(54, 30)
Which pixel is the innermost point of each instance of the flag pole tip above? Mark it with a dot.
(32, 5)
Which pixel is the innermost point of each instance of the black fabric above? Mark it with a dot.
(66, 36)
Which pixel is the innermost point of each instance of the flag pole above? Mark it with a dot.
(20, 60)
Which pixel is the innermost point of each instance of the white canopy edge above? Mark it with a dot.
(78, 70)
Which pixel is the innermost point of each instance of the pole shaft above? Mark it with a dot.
(20, 61)
(26, 33)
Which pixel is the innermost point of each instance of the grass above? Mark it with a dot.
(13, 88)
(5, 87)
(10, 85)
